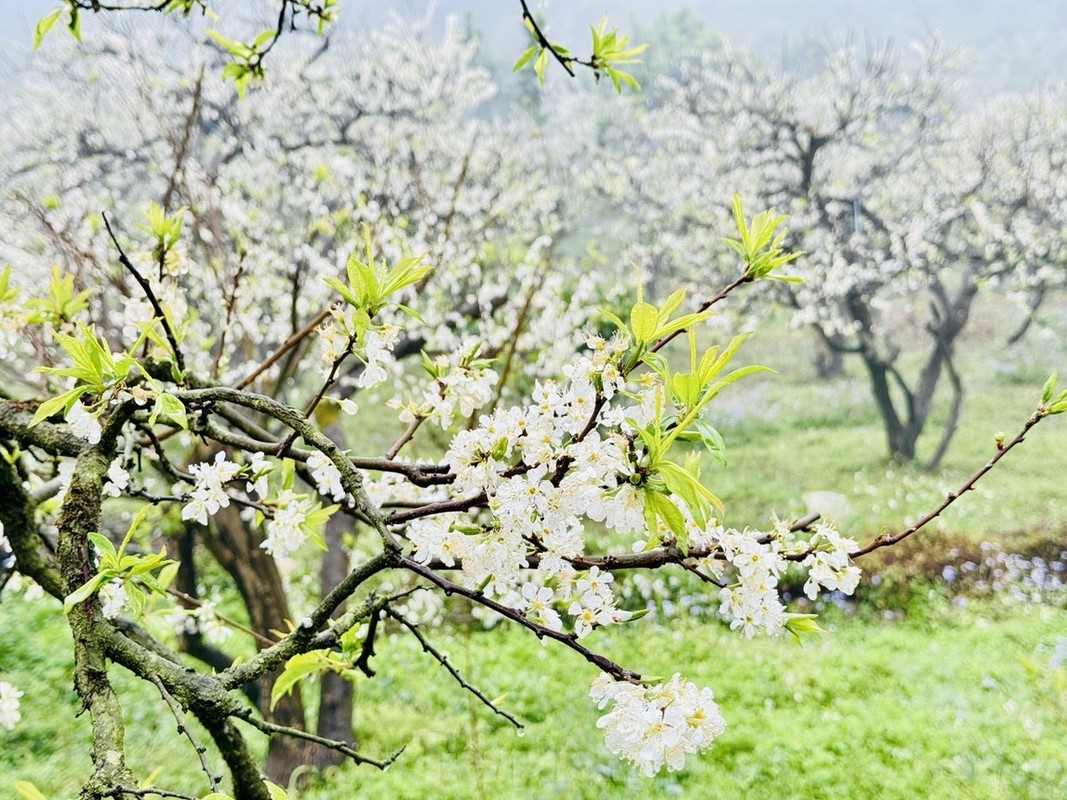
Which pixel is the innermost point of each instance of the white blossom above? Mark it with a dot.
(9, 705)
(113, 597)
(83, 424)
(118, 479)
(650, 726)
(327, 476)
(209, 492)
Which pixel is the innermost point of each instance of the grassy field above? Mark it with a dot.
(937, 705)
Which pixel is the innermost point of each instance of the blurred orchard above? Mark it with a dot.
(325, 331)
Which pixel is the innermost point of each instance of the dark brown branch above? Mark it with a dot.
(146, 287)
(886, 540)
(366, 653)
(183, 728)
(273, 729)
(442, 659)
(568, 639)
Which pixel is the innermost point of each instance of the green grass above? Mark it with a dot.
(867, 710)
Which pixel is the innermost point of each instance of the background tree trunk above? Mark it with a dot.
(236, 546)
(336, 694)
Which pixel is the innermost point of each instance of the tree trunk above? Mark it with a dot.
(236, 546)
(829, 360)
(336, 694)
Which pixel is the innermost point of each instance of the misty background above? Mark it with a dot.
(1005, 45)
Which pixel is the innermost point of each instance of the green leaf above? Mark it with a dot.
(411, 312)
(235, 49)
(735, 376)
(55, 405)
(298, 668)
(671, 516)
(84, 592)
(1049, 388)
(798, 624)
(29, 791)
(173, 408)
(263, 38)
(644, 319)
(524, 59)
(540, 63)
(343, 290)
(74, 24)
(44, 26)
(103, 545)
(712, 440)
(134, 525)
(685, 321)
(276, 791)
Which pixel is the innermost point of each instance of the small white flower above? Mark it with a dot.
(9, 705)
(118, 479)
(83, 424)
(209, 624)
(327, 476)
(655, 725)
(113, 597)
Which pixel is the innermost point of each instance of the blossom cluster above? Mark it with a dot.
(542, 473)
(9, 705)
(289, 516)
(374, 347)
(650, 726)
(754, 561)
(209, 490)
(462, 383)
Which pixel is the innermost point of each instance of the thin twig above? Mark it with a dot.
(569, 639)
(287, 345)
(442, 659)
(398, 445)
(542, 40)
(231, 304)
(310, 408)
(886, 540)
(146, 287)
(183, 728)
(124, 791)
(232, 623)
(274, 729)
(703, 576)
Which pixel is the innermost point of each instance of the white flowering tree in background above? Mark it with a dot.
(217, 358)
(906, 206)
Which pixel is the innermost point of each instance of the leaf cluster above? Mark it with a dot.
(610, 50)
(760, 244)
(1052, 404)
(138, 573)
(61, 305)
(370, 284)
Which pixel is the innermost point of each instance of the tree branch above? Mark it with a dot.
(444, 662)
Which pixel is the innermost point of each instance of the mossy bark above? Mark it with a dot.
(79, 517)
